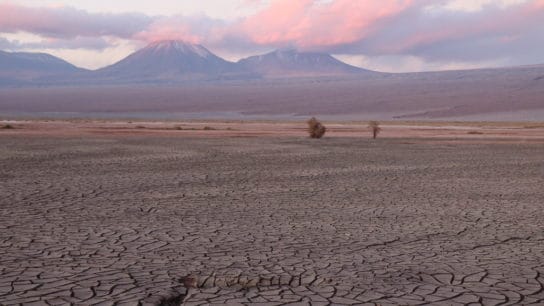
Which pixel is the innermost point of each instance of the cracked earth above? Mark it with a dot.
(270, 221)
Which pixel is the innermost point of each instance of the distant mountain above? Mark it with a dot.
(21, 67)
(34, 62)
(170, 61)
(293, 63)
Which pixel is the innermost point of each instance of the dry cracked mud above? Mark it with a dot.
(270, 221)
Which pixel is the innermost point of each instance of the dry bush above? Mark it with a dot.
(375, 128)
(174, 300)
(315, 128)
(7, 127)
(209, 128)
(475, 133)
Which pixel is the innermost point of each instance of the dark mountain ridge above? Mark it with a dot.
(15, 62)
(23, 68)
(292, 63)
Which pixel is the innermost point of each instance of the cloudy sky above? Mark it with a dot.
(385, 35)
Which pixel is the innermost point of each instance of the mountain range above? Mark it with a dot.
(282, 82)
(27, 68)
(170, 62)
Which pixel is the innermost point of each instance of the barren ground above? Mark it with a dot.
(103, 213)
(488, 94)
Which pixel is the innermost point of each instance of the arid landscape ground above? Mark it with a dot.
(118, 213)
(509, 94)
(271, 152)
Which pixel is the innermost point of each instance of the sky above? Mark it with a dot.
(383, 35)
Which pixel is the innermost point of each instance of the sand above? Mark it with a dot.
(104, 212)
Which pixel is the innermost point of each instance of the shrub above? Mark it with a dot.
(315, 128)
(209, 128)
(375, 128)
(175, 300)
(8, 127)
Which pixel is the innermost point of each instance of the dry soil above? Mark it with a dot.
(94, 219)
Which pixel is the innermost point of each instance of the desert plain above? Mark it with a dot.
(256, 213)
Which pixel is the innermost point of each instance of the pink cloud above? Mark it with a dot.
(15, 18)
(280, 21)
(307, 24)
(168, 29)
(539, 4)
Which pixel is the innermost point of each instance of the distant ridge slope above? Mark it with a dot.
(18, 68)
(290, 62)
(34, 62)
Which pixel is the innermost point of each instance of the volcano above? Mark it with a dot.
(171, 60)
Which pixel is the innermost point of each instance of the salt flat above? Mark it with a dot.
(121, 219)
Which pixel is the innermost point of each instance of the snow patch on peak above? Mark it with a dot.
(285, 53)
(179, 46)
